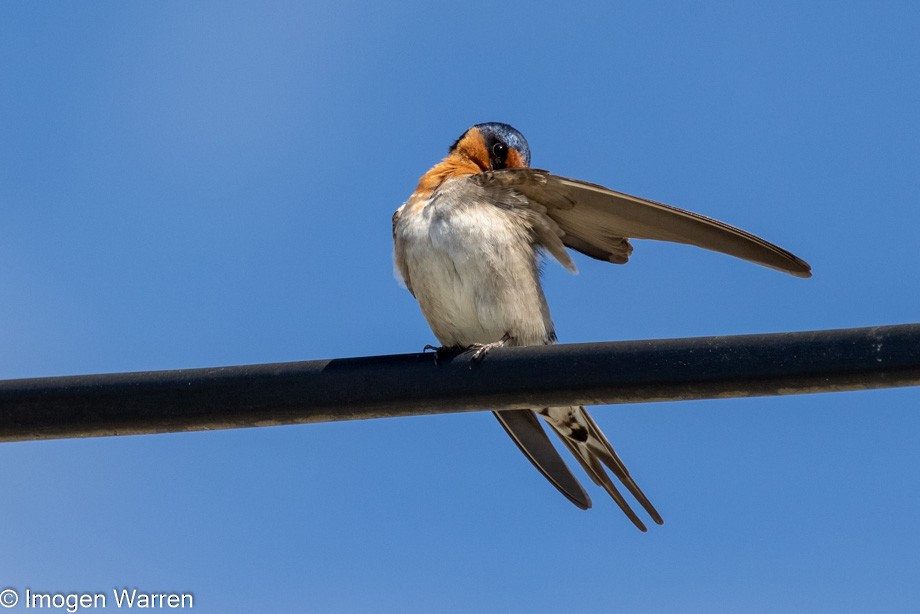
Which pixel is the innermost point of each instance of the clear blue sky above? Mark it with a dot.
(198, 184)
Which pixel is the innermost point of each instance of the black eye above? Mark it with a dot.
(498, 156)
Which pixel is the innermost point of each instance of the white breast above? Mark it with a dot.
(472, 267)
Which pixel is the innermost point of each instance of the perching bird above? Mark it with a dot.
(468, 243)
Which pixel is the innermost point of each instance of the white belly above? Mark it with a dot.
(474, 272)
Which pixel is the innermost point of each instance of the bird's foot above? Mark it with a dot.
(481, 349)
(441, 352)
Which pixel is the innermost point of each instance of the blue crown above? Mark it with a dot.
(509, 136)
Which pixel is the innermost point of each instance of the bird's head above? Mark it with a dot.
(484, 147)
(493, 146)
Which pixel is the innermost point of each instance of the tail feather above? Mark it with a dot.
(524, 428)
(610, 458)
(596, 472)
(584, 439)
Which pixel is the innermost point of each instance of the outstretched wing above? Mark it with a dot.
(598, 222)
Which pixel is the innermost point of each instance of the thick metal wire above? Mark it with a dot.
(413, 384)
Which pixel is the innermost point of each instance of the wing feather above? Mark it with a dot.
(401, 268)
(598, 221)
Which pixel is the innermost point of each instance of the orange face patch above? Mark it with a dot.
(472, 145)
(514, 159)
(468, 157)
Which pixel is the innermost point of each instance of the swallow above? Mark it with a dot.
(468, 245)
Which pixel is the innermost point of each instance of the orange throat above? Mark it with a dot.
(469, 156)
(448, 168)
